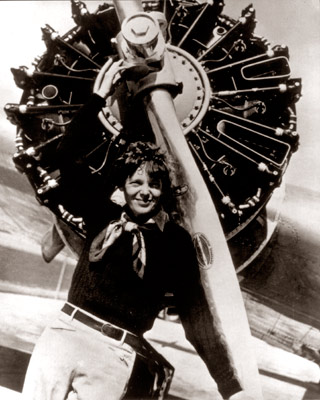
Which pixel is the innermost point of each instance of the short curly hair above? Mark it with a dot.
(157, 166)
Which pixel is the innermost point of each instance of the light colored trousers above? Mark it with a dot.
(74, 362)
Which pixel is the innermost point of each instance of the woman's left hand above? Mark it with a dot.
(111, 74)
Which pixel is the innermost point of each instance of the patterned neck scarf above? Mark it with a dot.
(114, 230)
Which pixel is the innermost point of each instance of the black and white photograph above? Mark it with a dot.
(159, 200)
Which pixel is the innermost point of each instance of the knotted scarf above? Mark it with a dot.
(112, 232)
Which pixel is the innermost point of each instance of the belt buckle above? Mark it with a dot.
(107, 325)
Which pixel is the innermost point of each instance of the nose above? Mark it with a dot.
(145, 192)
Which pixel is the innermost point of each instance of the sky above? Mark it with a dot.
(295, 23)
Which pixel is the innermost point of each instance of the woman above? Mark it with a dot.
(134, 254)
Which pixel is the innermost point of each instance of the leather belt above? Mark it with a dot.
(107, 329)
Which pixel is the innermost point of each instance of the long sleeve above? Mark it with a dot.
(81, 132)
(84, 193)
(203, 329)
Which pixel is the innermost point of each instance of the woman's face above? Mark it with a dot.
(142, 193)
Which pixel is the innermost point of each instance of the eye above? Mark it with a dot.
(155, 184)
(135, 182)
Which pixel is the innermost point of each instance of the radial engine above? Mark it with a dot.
(232, 92)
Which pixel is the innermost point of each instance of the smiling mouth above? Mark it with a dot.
(144, 202)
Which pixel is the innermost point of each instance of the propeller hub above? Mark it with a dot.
(141, 32)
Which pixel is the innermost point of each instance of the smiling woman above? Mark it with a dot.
(20, 22)
(141, 192)
(133, 256)
(142, 174)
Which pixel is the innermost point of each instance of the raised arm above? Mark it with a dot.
(85, 193)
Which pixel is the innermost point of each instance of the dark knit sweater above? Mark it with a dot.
(111, 289)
